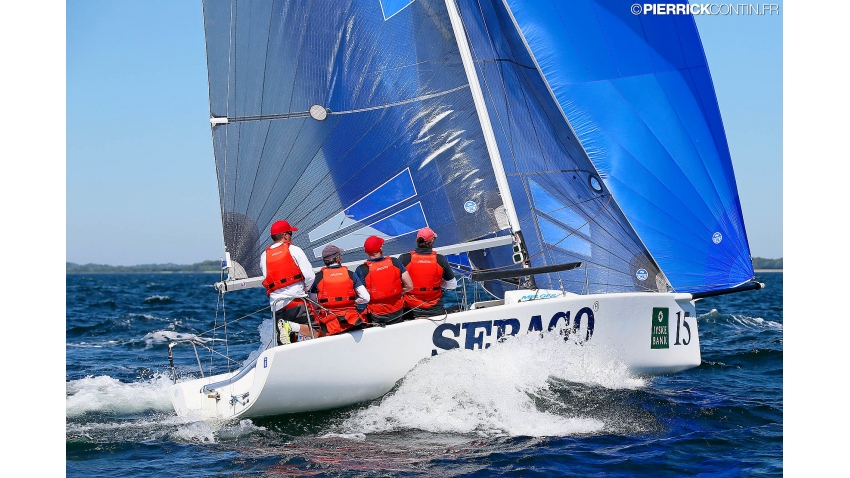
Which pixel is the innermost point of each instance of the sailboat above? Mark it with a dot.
(572, 153)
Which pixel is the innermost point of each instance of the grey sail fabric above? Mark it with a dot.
(347, 119)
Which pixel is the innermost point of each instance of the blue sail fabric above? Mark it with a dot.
(347, 119)
(637, 91)
(566, 213)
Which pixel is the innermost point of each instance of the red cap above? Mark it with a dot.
(373, 244)
(426, 233)
(279, 227)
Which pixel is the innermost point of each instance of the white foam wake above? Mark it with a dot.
(490, 392)
(108, 395)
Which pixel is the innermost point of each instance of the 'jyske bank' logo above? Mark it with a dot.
(660, 319)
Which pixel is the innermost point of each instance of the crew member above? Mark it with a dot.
(288, 277)
(338, 291)
(386, 280)
(430, 273)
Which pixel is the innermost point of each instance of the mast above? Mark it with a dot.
(483, 116)
(490, 140)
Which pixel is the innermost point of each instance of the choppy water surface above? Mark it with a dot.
(529, 406)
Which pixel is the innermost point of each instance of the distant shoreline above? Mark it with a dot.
(140, 272)
(205, 267)
(760, 265)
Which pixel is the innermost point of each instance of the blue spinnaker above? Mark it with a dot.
(637, 91)
(565, 212)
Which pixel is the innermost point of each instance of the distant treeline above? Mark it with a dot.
(215, 266)
(762, 263)
(206, 266)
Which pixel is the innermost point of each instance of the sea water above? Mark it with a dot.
(528, 406)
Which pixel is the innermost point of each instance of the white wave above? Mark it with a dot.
(160, 425)
(347, 436)
(166, 336)
(756, 322)
(157, 298)
(108, 395)
(266, 329)
(743, 320)
(93, 345)
(124, 427)
(194, 432)
(490, 392)
(243, 428)
(147, 316)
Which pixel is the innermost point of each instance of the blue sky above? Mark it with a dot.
(140, 174)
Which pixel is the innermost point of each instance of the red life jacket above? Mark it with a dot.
(281, 269)
(384, 285)
(336, 294)
(427, 275)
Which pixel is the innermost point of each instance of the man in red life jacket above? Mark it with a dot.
(430, 273)
(386, 280)
(288, 275)
(338, 291)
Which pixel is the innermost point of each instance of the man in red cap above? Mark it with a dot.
(338, 291)
(288, 275)
(386, 281)
(430, 273)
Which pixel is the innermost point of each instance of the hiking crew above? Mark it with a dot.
(338, 291)
(287, 275)
(386, 280)
(430, 273)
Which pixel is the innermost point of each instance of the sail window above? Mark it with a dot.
(594, 184)
(398, 189)
(409, 219)
(556, 236)
(547, 203)
(391, 7)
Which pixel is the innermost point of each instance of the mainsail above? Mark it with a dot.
(351, 119)
(348, 120)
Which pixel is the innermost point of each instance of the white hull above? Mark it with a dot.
(354, 367)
